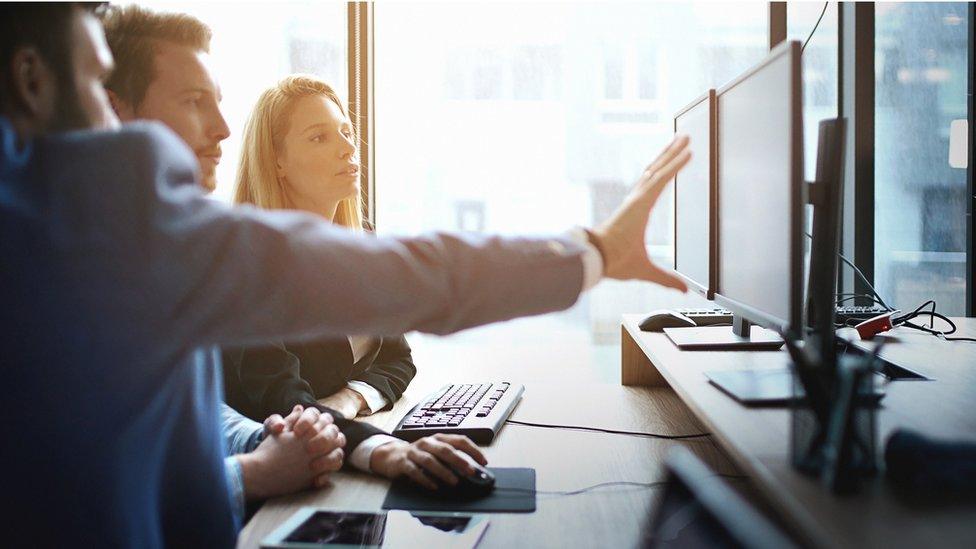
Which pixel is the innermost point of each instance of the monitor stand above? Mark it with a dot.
(741, 336)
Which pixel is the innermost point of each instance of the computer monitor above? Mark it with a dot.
(758, 201)
(761, 194)
(694, 197)
(825, 195)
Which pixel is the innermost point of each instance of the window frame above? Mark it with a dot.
(361, 99)
(970, 168)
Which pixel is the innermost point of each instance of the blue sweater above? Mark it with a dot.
(111, 434)
(118, 278)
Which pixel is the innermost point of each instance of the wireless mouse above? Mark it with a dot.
(477, 485)
(658, 320)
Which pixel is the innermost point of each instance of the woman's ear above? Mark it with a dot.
(278, 168)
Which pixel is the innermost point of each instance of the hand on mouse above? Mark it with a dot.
(396, 459)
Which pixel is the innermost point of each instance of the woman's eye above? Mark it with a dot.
(318, 138)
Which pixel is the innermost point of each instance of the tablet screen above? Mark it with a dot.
(364, 529)
(325, 527)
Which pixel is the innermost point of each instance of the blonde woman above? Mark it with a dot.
(299, 152)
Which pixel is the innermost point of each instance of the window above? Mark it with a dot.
(530, 118)
(820, 70)
(920, 200)
(257, 43)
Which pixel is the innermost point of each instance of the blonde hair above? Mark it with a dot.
(257, 179)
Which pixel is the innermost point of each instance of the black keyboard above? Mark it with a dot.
(476, 410)
(708, 316)
(712, 316)
(846, 314)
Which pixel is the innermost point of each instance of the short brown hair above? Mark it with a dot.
(132, 33)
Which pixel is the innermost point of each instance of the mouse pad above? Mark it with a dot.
(514, 493)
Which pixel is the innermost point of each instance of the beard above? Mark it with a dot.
(208, 180)
(69, 114)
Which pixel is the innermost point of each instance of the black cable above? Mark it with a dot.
(905, 320)
(860, 274)
(579, 491)
(822, 12)
(609, 431)
(583, 490)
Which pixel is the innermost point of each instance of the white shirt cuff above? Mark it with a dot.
(235, 484)
(359, 458)
(375, 401)
(592, 261)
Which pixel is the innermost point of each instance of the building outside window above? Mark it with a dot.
(920, 199)
(529, 124)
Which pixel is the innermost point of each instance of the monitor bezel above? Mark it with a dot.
(797, 199)
(708, 289)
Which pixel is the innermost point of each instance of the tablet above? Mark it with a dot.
(319, 527)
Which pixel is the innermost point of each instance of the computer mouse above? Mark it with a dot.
(477, 485)
(658, 320)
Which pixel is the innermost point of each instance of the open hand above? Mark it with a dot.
(622, 236)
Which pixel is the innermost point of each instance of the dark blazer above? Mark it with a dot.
(260, 381)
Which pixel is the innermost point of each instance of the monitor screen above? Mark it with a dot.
(759, 192)
(692, 197)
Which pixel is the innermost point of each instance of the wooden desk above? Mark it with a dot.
(757, 439)
(564, 460)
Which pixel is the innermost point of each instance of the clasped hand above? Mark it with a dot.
(298, 452)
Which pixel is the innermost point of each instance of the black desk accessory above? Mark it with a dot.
(768, 386)
(929, 467)
(833, 426)
(514, 493)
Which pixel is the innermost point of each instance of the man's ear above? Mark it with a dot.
(123, 110)
(35, 87)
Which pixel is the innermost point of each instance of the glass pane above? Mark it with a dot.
(920, 200)
(276, 39)
(530, 118)
(820, 69)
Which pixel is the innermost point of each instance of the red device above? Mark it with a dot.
(874, 326)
